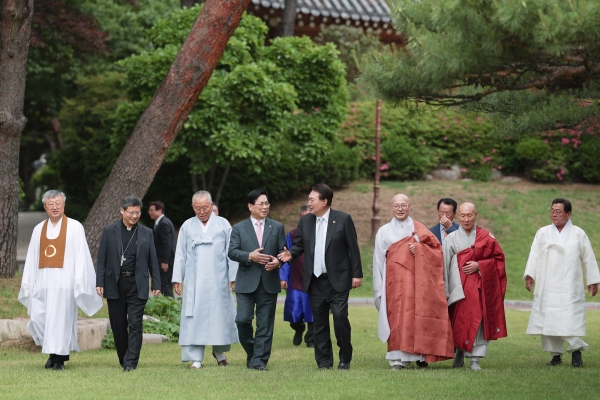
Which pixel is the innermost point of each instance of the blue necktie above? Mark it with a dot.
(319, 248)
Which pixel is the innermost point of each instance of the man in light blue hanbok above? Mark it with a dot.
(208, 312)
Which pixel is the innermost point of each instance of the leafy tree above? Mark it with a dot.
(530, 64)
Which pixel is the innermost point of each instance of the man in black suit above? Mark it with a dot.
(125, 259)
(332, 267)
(446, 211)
(255, 244)
(165, 242)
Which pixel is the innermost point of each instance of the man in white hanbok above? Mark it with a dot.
(58, 276)
(561, 256)
(208, 312)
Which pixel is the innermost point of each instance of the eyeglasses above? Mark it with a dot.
(203, 209)
(58, 204)
(555, 212)
(134, 213)
(402, 206)
(261, 205)
(447, 213)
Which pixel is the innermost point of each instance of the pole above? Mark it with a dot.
(376, 220)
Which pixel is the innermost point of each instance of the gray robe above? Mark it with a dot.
(201, 263)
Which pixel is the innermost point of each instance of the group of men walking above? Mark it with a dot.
(439, 291)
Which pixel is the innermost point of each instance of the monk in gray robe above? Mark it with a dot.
(201, 262)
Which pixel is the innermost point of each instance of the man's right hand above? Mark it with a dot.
(529, 282)
(447, 223)
(177, 287)
(259, 258)
(283, 284)
(285, 256)
(100, 291)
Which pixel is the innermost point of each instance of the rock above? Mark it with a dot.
(153, 338)
(150, 318)
(511, 179)
(446, 174)
(496, 175)
(90, 332)
(428, 177)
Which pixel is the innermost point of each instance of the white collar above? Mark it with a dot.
(158, 219)
(326, 215)
(254, 221)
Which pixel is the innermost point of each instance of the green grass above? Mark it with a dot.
(515, 368)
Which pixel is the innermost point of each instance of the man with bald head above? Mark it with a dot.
(409, 291)
(475, 284)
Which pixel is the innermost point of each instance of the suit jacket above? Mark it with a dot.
(436, 230)
(342, 255)
(165, 241)
(243, 241)
(108, 264)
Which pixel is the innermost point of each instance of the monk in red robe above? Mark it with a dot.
(475, 279)
(409, 291)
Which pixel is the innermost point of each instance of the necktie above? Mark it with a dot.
(319, 248)
(259, 233)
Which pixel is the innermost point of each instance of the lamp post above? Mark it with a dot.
(376, 220)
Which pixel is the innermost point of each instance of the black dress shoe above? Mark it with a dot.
(422, 364)
(49, 364)
(576, 359)
(297, 337)
(128, 369)
(58, 366)
(260, 368)
(344, 366)
(556, 360)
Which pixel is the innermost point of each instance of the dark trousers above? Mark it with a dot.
(166, 286)
(299, 326)
(323, 297)
(257, 347)
(127, 312)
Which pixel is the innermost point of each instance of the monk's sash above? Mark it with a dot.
(417, 309)
(52, 251)
(484, 293)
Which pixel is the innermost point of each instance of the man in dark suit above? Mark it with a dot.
(332, 267)
(165, 242)
(125, 259)
(255, 244)
(446, 211)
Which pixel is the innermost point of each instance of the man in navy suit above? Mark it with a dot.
(446, 211)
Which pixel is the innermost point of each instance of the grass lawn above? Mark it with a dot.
(515, 368)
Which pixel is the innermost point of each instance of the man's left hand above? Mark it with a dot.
(356, 282)
(471, 267)
(411, 247)
(271, 265)
(155, 292)
(164, 266)
(593, 289)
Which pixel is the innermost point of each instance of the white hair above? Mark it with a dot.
(202, 193)
(50, 194)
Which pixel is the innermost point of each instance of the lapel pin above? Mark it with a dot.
(334, 222)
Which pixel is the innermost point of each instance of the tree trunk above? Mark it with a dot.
(15, 29)
(194, 183)
(221, 184)
(169, 108)
(288, 18)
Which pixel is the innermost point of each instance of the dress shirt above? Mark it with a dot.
(324, 224)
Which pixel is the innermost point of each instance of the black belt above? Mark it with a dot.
(128, 273)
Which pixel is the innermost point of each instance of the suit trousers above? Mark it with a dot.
(323, 297)
(257, 347)
(126, 314)
(166, 286)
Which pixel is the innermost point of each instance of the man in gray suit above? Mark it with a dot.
(125, 259)
(255, 244)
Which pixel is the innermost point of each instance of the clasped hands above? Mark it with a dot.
(267, 260)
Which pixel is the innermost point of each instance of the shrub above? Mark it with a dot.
(403, 160)
(532, 149)
(589, 160)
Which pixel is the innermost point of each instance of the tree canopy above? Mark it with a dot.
(532, 65)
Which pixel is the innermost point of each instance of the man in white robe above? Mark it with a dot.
(561, 256)
(58, 276)
(201, 262)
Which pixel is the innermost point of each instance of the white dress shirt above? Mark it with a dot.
(324, 224)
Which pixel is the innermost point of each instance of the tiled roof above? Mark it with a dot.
(365, 10)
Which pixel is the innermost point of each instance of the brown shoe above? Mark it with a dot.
(222, 363)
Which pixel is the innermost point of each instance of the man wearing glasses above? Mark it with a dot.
(446, 211)
(255, 243)
(409, 291)
(561, 256)
(125, 259)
